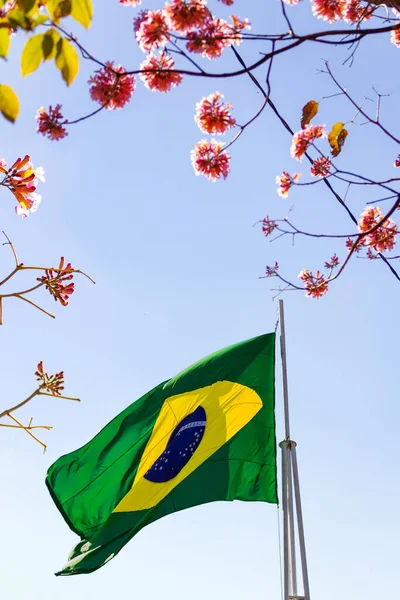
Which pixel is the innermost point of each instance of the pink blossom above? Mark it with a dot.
(383, 238)
(54, 281)
(153, 30)
(237, 26)
(138, 20)
(303, 138)
(271, 271)
(395, 37)
(397, 162)
(285, 182)
(226, 2)
(51, 383)
(320, 167)
(356, 245)
(22, 180)
(210, 40)
(355, 12)
(291, 2)
(268, 226)
(187, 16)
(333, 263)
(162, 78)
(213, 116)
(329, 10)
(51, 123)
(315, 285)
(110, 87)
(130, 2)
(210, 160)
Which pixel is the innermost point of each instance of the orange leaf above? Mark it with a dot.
(336, 138)
(309, 112)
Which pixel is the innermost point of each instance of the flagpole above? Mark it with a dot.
(290, 483)
(300, 525)
(281, 314)
(289, 550)
(285, 520)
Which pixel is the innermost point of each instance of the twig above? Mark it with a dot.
(58, 396)
(9, 242)
(29, 432)
(35, 305)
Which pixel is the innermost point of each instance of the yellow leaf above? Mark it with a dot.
(4, 41)
(59, 9)
(9, 103)
(49, 44)
(309, 111)
(336, 138)
(67, 60)
(82, 11)
(32, 54)
(27, 5)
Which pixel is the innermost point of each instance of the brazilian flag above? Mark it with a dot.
(207, 434)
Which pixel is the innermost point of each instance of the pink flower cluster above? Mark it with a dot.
(333, 263)
(383, 237)
(271, 271)
(54, 281)
(303, 138)
(22, 180)
(352, 11)
(213, 116)
(397, 162)
(209, 159)
(334, 10)
(285, 182)
(51, 383)
(320, 167)
(315, 285)
(206, 35)
(51, 123)
(110, 87)
(268, 226)
(216, 34)
(187, 16)
(395, 37)
(153, 30)
(158, 74)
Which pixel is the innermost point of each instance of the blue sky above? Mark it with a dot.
(177, 264)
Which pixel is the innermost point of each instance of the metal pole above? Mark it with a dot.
(292, 539)
(289, 556)
(283, 446)
(284, 368)
(300, 524)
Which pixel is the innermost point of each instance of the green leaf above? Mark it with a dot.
(9, 103)
(32, 54)
(67, 60)
(4, 42)
(82, 11)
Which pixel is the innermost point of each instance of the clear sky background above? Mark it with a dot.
(177, 263)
